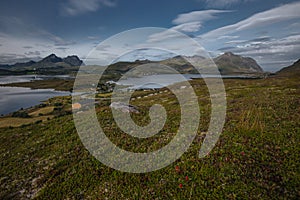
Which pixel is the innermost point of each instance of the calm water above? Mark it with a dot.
(15, 98)
(162, 80)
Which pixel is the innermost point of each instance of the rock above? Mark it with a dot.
(124, 107)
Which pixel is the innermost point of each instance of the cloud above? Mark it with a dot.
(197, 16)
(188, 27)
(27, 47)
(58, 41)
(225, 49)
(171, 34)
(164, 36)
(295, 25)
(260, 39)
(222, 3)
(62, 48)
(257, 40)
(230, 37)
(275, 15)
(33, 53)
(235, 41)
(269, 46)
(92, 38)
(12, 58)
(188, 23)
(106, 47)
(77, 7)
(13, 27)
(62, 42)
(21, 38)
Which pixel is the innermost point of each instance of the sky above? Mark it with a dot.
(268, 31)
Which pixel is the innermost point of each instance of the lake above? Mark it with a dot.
(15, 98)
(162, 80)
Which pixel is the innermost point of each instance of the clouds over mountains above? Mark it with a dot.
(267, 30)
(263, 36)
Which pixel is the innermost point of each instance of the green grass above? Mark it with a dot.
(256, 157)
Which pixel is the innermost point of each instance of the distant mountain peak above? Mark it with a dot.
(52, 58)
(229, 54)
(232, 63)
(73, 60)
(52, 55)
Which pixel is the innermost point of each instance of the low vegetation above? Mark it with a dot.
(256, 157)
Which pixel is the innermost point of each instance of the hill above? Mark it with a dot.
(229, 63)
(7, 72)
(293, 70)
(180, 63)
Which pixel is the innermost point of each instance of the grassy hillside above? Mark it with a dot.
(256, 157)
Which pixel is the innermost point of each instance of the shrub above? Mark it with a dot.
(21, 114)
(58, 104)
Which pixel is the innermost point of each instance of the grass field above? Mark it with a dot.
(256, 157)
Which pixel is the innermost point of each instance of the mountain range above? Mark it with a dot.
(228, 63)
(51, 64)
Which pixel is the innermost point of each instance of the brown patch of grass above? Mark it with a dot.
(43, 111)
(16, 122)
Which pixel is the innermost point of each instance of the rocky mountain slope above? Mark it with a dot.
(229, 63)
(293, 70)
